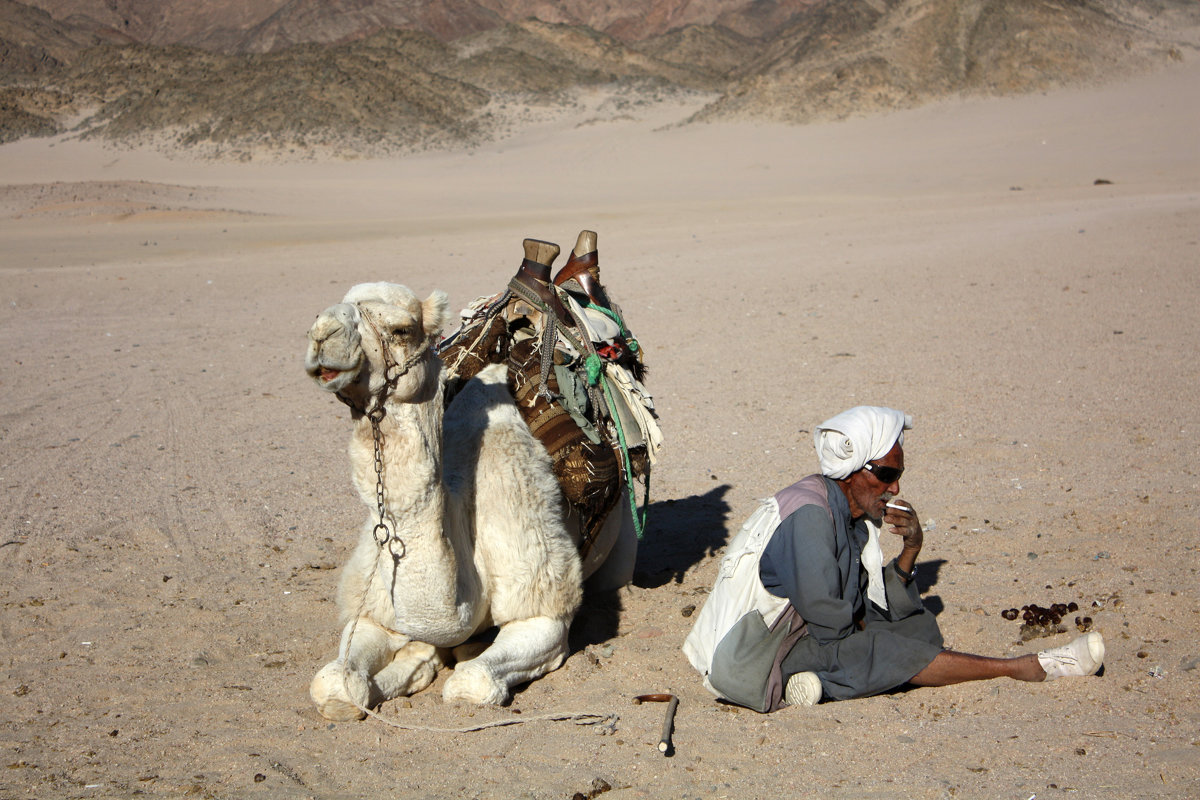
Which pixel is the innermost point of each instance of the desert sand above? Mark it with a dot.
(176, 493)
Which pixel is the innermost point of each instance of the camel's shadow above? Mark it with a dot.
(679, 534)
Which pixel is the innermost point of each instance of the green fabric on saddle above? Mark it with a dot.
(574, 399)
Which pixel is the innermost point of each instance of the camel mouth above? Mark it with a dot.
(329, 368)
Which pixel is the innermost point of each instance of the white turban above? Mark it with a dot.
(864, 433)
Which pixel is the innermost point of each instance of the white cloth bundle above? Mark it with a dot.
(635, 407)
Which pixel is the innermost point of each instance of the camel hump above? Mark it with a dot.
(541, 252)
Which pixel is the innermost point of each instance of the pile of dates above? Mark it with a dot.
(1037, 621)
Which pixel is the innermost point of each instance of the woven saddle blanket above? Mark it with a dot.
(575, 371)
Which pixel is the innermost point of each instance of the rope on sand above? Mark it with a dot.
(607, 722)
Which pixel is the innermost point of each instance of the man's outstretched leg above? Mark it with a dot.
(1083, 656)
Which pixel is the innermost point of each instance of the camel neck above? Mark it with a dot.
(427, 584)
(411, 455)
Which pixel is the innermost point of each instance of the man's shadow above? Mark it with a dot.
(678, 535)
(927, 578)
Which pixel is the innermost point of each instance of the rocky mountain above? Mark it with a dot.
(365, 76)
(339, 21)
(635, 20)
(302, 97)
(868, 54)
(711, 50)
(31, 40)
(265, 25)
(160, 22)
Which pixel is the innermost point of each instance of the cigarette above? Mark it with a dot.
(898, 507)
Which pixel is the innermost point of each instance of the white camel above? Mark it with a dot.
(467, 528)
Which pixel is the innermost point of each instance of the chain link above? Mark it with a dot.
(392, 373)
(375, 416)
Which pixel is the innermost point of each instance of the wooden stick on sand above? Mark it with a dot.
(664, 742)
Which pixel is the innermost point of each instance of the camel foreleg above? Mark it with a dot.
(374, 665)
(523, 650)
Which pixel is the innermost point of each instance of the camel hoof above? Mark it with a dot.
(336, 691)
(471, 683)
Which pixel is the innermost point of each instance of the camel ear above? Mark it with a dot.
(433, 312)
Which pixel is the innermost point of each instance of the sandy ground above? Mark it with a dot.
(176, 495)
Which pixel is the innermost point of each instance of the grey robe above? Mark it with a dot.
(854, 647)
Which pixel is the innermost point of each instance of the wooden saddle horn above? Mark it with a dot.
(583, 269)
(534, 274)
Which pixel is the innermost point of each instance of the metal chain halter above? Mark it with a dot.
(375, 413)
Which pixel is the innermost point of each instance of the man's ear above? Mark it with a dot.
(433, 312)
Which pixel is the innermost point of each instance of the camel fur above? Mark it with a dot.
(475, 532)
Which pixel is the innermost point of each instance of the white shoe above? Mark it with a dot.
(803, 689)
(1083, 656)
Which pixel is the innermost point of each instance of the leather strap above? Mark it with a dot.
(584, 270)
(535, 278)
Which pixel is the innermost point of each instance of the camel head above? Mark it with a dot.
(376, 326)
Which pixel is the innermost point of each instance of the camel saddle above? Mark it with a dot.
(574, 370)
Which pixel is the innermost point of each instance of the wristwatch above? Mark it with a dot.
(908, 576)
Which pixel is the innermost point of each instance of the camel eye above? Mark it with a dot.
(399, 332)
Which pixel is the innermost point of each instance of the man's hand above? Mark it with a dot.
(905, 524)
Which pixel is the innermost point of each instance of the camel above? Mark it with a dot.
(467, 529)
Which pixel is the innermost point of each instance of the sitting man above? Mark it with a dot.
(804, 607)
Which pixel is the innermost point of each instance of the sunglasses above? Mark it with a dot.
(885, 475)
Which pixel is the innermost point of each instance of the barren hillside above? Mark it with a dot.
(865, 55)
(161, 22)
(270, 24)
(366, 76)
